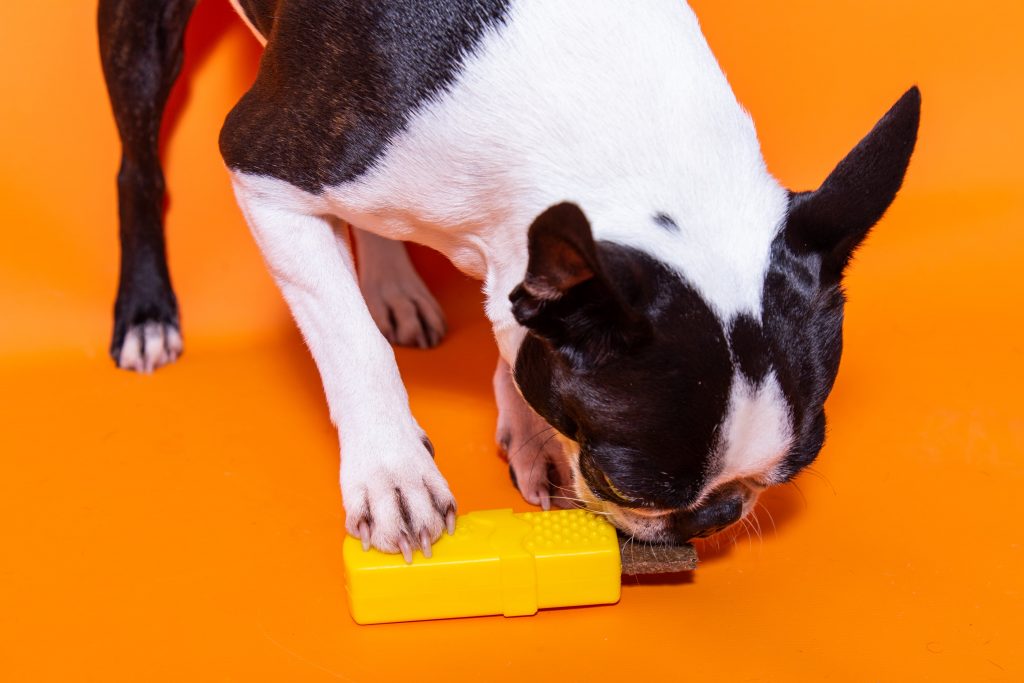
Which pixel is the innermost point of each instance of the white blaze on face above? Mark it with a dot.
(757, 432)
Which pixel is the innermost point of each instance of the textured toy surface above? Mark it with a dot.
(496, 562)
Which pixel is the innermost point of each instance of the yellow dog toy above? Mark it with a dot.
(500, 562)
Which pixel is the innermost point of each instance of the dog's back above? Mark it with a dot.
(480, 114)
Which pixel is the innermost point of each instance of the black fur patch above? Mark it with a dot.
(260, 14)
(341, 78)
(749, 348)
(646, 407)
(645, 412)
(568, 296)
(834, 219)
(141, 49)
(803, 328)
(803, 296)
(665, 221)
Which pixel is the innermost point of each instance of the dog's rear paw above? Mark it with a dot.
(404, 309)
(398, 507)
(147, 346)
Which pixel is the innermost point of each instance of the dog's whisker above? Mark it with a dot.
(755, 522)
(527, 442)
(768, 512)
(584, 503)
(810, 470)
(630, 542)
(803, 498)
(746, 528)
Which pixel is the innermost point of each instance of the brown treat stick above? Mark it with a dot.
(646, 558)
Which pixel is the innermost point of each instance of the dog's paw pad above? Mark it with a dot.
(149, 346)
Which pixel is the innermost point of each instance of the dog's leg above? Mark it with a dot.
(395, 497)
(400, 303)
(536, 462)
(141, 51)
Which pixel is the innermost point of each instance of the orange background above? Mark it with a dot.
(188, 525)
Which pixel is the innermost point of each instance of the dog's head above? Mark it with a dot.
(677, 419)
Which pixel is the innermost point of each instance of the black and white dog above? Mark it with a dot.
(657, 297)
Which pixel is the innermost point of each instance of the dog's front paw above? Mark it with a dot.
(148, 346)
(399, 505)
(147, 335)
(537, 464)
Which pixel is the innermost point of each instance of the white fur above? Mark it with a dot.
(618, 108)
(757, 432)
(382, 448)
(148, 347)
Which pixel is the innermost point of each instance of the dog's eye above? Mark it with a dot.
(622, 497)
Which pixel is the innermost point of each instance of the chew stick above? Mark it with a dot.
(644, 558)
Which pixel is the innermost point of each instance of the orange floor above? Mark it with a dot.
(187, 526)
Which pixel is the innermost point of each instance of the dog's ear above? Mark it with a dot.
(834, 219)
(566, 296)
(562, 255)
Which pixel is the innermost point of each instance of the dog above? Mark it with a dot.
(660, 302)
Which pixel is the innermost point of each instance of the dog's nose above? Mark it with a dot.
(717, 513)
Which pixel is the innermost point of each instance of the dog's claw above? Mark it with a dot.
(398, 506)
(403, 545)
(449, 521)
(545, 500)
